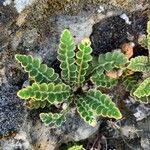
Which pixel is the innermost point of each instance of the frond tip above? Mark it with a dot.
(66, 57)
(102, 105)
(139, 64)
(49, 118)
(45, 92)
(83, 57)
(85, 112)
(144, 89)
(38, 72)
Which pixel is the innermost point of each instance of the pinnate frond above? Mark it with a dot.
(85, 112)
(45, 92)
(110, 60)
(66, 56)
(102, 105)
(52, 118)
(102, 80)
(34, 104)
(38, 72)
(83, 57)
(143, 89)
(139, 64)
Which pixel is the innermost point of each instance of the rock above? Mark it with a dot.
(12, 111)
(47, 138)
(145, 143)
(20, 142)
(20, 5)
(76, 129)
(112, 28)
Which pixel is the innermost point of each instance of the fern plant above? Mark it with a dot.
(80, 69)
(49, 88)
(140, 64)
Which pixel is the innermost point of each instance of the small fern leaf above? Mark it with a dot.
(38, 72)
(66, 56)
(85, 112)
(102, 105)
(143, 42)
(111, 60)
(34, 104)
(83, 57)
(143, 90)
(139, 64)
(130, 84)
(102, 80)
(49, 118)
(45, 92)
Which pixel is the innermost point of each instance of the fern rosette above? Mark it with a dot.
(48, 88)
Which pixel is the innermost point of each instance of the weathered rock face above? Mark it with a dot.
(110, 33)
(12, 112)
(33, 27)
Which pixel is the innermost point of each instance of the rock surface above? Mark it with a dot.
(33, 27)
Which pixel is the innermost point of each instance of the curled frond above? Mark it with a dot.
(102, 105)
(102, 80)
(66, 56)
(143, 90)
(83, 57)
(38, 72)
(45, 92)
(139, 64)
(49, 118)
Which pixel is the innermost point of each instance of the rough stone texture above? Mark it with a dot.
(35, 135)
(110, 33)
(33, 27)
(12, 112)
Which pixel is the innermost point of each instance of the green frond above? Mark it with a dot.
(83, 57)
(38, 72)
(144, 42)
(49, 118)
(84, 111)
(34, 104)
(139, 64)
(66, 56)
(130, 84)
(102, 105)
(45, 92)
(143, 89)
(111, 60)
(76, 147)
(102, 80)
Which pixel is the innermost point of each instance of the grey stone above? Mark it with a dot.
(12, 112)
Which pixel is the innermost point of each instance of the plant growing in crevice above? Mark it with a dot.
(141, 64)
(82, 76)
(48, 88)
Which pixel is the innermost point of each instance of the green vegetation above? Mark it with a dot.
(81, 79)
